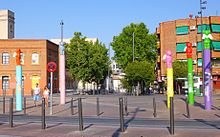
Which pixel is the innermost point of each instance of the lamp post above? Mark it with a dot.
(133, 61)
(62, 68)
(203, 71)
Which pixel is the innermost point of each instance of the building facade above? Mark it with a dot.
(7, 24)
(173, 35)
(34, 58)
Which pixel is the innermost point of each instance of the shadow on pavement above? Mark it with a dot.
(88, 126)
(23, 124)
(118, 131)
(54, 125)
(207, 123)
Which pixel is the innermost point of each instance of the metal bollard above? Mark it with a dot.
(126, 106)
(121, 114)
(155, 107)
(3, 107)
(43, 124)
(80, 114)
(71, 106)
(171, 116)
(24, 108)
(11, 112)
(97, 106)
(187, 108)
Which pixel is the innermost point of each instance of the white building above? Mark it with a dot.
(117, 75)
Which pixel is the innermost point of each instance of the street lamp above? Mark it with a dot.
(202, 7)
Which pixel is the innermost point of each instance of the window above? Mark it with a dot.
(216, 45)
(215, 27)
(215, 62)
(199, 62)
(5, 82)
(181, 47)
(182, 30)
(35, 58)
(5, 58)
(199, 46)
(204, 27)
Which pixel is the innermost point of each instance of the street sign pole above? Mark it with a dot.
(51, 93)
(51, 67)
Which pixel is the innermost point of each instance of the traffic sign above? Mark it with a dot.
(51, 67)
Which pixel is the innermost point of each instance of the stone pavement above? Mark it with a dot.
(139, 107)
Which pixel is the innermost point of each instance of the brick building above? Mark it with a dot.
(173, 35)
(34, 58)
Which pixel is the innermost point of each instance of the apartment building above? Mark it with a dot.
(34, 58)
(173, 35)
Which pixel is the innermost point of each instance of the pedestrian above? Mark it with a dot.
(36, 94)
(46, 95)
(150, 90)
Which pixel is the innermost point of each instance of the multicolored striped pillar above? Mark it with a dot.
(190, 73)
(18, 81)
(170, 92)
(207, 69)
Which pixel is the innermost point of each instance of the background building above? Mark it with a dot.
(173, 35)
(34, 58)
(6, 24)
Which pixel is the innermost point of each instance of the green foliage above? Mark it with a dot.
(87, 61)
(145, 46)
(180, 69)
(140, 71)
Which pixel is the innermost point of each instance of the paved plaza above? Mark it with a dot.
(139, 120)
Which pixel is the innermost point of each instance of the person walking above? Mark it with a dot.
(36, 94)
(46, 95)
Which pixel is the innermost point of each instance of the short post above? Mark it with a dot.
(126, 105)
(171, 116)
(80, 114)
(71, 105)
(155, 107)
(187, 108)
(24, 109)
(11, 112)
(43, 124)
(97, 106)
(3, 101)
(121, 114)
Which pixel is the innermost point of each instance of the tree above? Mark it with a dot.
(180, 70)
(140, 73)
(145, 54)
(87, 61)
(145, 46)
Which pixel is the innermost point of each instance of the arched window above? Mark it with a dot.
(35, 58)
(5, 58)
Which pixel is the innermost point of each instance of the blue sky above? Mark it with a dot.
(39, 19)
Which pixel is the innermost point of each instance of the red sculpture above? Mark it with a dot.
(189, 50)
(18, 57)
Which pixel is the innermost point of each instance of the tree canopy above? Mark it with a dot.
(87, 61)
(180, 69)
(145, 46)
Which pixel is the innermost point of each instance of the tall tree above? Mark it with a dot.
(145, 46)
(140, 73)
(180, 69)
(87, 61)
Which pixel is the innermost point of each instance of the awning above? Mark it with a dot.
(216, 45)
(215, 27)
(182, 30)
(181, 47)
